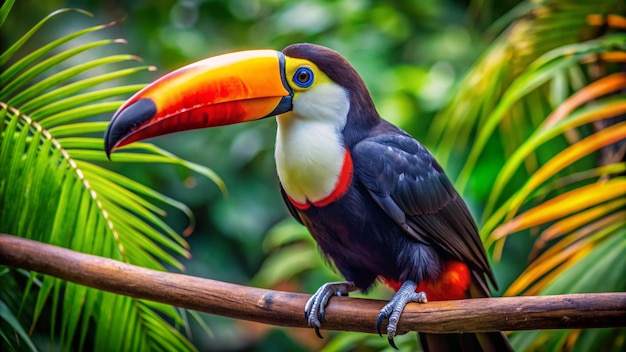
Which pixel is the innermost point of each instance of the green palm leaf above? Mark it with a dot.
(545, 102)
(51, 190)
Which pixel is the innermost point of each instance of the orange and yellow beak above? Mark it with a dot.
(221, 90)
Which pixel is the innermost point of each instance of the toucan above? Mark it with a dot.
(375, 200)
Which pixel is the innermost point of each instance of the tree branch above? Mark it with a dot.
(286, 309)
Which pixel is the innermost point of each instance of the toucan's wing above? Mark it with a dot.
(409, 185)
(292, 209)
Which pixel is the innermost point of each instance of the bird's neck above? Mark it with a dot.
(313, 164)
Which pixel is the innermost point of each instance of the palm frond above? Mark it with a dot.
(13, 323)
(53, 190)
(5, 9)
(545, 102)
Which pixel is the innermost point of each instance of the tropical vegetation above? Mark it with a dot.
(523, 102)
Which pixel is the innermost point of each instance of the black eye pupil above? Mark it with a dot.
(303, 76)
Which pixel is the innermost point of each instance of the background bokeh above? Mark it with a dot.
(410, 53)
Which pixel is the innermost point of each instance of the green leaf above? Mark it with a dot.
(523, 85)
(78, 204)
(578, 220)
(158, 156)
(605, 109)
(5, 9)
(7, 315)
(77, 129)
(47, 105)
(569, 155)
(15, 47)
(80, 112)
(285, 264)
(564, 204)
(44, 66)
(562, 255)
(61, 77)
(590, 273)
(284, 233)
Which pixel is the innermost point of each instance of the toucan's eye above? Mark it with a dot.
(303, 77)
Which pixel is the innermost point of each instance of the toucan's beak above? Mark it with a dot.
(221, 90)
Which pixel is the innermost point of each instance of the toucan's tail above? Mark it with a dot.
(470, 342)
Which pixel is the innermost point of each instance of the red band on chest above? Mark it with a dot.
(341, 188)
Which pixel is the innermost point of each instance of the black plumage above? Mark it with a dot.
(400, 218)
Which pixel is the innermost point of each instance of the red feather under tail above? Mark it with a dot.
(453, 283)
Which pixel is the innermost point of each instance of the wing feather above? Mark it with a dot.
(292, 209)
(406, 181)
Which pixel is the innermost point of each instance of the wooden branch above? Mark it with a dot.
(286, 309)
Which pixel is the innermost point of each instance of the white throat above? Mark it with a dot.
(309, 144)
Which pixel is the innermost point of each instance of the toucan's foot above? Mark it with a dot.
(314, 308)
(394, 308)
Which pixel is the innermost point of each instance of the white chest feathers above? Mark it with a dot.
(309, 144)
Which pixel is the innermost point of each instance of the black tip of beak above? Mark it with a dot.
(126, 121)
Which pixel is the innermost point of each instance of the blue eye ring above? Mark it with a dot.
(303, 77)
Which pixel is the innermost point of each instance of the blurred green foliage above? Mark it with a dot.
(411, 54)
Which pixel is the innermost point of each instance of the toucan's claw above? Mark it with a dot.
(317, 332)
(314, 310)
(379, 321)
(393, 309)
(392, 344)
